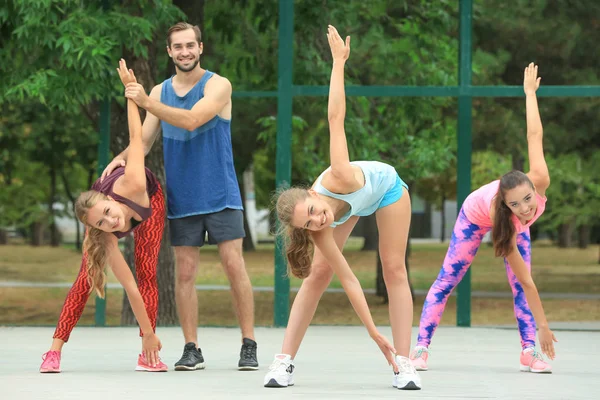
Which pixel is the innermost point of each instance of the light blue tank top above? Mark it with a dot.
(199, 166)
(379, 179)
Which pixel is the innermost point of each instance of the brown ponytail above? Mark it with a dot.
(94, 244)
(504, 229)
(297, 241)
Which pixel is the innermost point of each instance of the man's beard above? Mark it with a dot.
(186, 69)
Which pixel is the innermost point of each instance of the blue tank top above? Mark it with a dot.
(200, 176)
(379, 179)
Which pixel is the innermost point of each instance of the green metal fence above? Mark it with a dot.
(464, 92)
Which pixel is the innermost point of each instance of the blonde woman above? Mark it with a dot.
(130, 199)
(317, 223)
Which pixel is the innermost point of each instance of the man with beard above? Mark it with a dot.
(203, 196)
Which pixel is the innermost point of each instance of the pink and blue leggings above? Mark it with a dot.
(466, 239)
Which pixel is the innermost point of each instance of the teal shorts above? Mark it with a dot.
(394, 194)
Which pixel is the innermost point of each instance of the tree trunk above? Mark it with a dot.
(370, 233)
(167, 311)
(380, 288)
(248, 243)
(194, 11)
(54, 234)
(37, 233)
(443, 211)
(564, 234)
(127, 317)
(584, 236)
(3, 237)
(518, 162)
(72, 200)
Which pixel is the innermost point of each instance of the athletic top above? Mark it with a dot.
(106, 187)
(477, 207)
(201, 178)
(379, 178)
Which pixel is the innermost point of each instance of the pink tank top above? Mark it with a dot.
(477, 207)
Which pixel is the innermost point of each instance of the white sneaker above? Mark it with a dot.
(407, 377)
(281, 372)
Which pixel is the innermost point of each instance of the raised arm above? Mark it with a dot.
(217, 94)
(533, 299)
(325, 242)
(150, 131)
(538, 170)
(135, 176)
(336, 109)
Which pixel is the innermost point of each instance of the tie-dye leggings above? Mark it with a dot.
(466, 239)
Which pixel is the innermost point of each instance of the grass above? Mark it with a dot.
(554, 270)
(41, 306)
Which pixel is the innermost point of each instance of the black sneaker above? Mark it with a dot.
(191, 359)
(248, 360)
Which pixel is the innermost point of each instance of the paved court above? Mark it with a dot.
(333, 363)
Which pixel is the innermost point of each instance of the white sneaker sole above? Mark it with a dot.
(144, 369)
(247, 368)
(186, 368)
(526, 368)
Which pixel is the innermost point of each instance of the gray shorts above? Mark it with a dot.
(221, 226)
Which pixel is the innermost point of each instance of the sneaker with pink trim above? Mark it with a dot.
(142, 365)
(51, 362)
(532, 361)
(419, 357)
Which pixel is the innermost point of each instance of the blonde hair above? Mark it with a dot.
(298, 243)
(94, 243)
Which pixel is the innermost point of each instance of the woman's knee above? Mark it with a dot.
(394, 271)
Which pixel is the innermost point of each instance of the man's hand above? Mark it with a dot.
(136, 92)
(117, 162)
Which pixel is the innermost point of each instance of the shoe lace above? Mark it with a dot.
(404, 365)
(52, 356)
(418, 352)
(276, 364)
(247, 352)
(536, 355)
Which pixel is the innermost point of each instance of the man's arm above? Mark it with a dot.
(217, 95)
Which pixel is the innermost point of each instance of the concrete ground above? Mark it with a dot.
(333, 363)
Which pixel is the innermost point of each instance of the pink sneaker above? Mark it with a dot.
(532, 361)
(51, 362)
(419, 357)
(143, 365)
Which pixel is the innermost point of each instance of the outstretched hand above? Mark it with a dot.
(126, 75)
(339, 50)
(547, 340)
(531, 82)
(387, 349)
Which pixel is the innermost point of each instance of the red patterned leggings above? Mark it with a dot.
(147, 238)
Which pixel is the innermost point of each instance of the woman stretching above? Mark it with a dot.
(507, 207)
(322, 218)
(130, 197)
